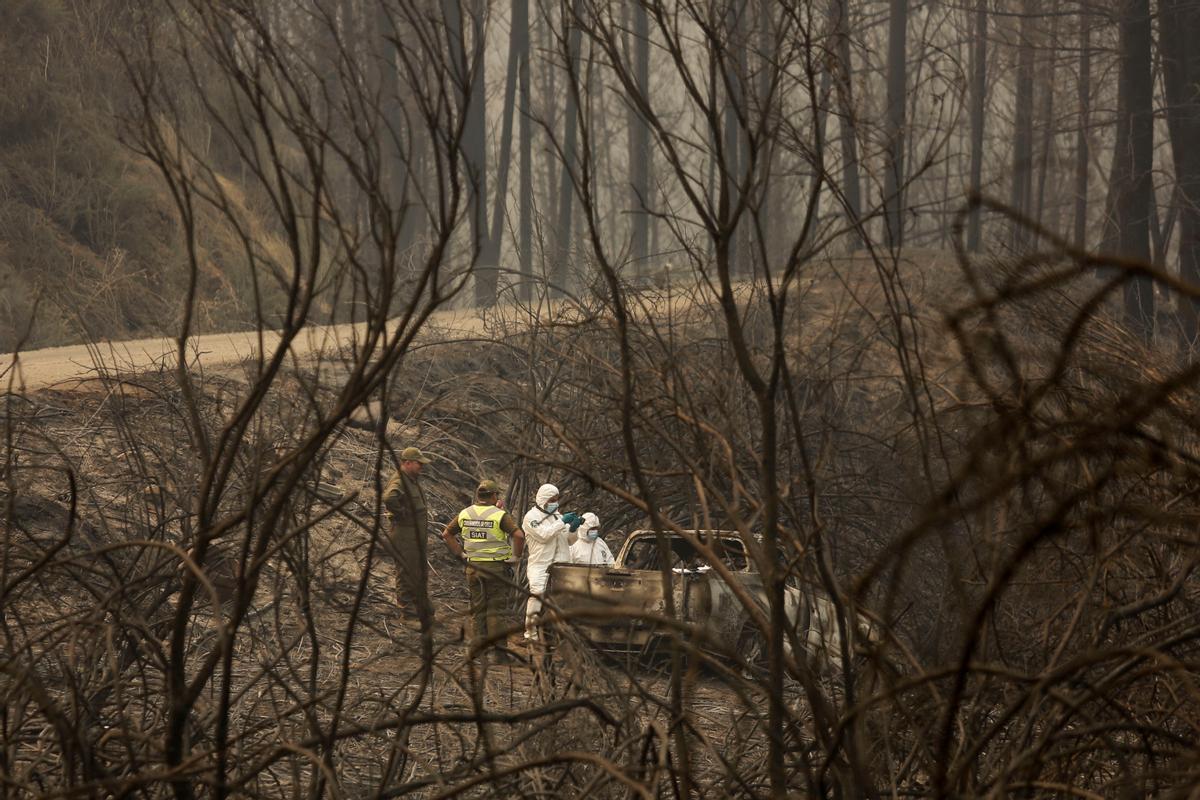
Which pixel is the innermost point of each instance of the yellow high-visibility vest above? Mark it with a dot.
(483, 540)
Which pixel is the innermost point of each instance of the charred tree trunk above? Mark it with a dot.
(851, 182)
(474, 76)
(978, 104)
(1118, 177)
(1048, 126)
(768, 198)
(469, 79)
(731, 147)
(1179, 29)
(1082, 140)
(525, 147)
(747, 162)
(560, 269)
(639, 146)
(897, 75)
(1133, 204)
(488, 270)
(402, 148)
(1022, 163)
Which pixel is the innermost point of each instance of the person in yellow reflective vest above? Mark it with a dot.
(491, 542)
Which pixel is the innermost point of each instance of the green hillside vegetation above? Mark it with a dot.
(90, 245)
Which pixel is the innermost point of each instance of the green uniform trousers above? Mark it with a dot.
(409, 518)
(489, 584)
(407, 547)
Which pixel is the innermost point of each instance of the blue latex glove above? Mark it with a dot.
(572, 519)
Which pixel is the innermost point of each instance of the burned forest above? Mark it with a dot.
(599, 398)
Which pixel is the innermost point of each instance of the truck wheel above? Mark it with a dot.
(752, 650)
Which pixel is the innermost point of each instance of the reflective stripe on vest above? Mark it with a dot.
(483, 540)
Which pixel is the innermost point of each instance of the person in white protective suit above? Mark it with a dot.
(547, 541)
(589, 548)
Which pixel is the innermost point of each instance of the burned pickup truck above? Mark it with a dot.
(623, 608)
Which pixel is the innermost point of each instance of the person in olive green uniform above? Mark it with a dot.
(491, 540)
(406, 508)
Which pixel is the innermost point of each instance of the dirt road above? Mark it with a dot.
(834, 281)
(63, 366)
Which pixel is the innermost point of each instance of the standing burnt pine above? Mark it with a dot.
(409, 518)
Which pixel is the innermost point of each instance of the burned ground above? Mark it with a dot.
(1016, 517)
(101, 511)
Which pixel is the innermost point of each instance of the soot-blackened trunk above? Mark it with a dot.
(851, 182)
(897, 81)
(1022, 163)
(1133, 205)
(639, 146)
(1082, 141)
(978, 103)
(1179, 32)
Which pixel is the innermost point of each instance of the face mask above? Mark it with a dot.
(551, 508)
(593, 534)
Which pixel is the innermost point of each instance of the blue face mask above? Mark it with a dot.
(593, 534)
(551, 508)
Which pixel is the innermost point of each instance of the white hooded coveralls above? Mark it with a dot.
(594, 553)
(546, 542)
